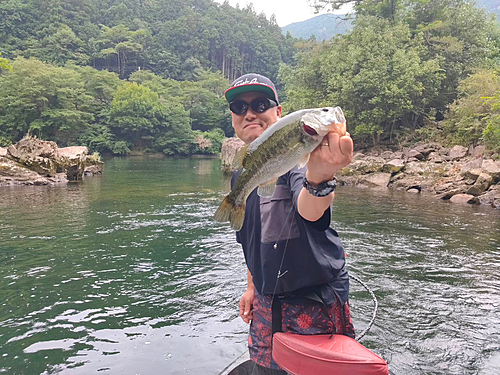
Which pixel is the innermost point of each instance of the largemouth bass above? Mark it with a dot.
(282, 146)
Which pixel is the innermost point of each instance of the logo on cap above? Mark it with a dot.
(246, 82)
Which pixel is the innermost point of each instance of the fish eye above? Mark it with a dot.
(325, 109)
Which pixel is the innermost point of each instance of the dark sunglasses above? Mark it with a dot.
(258, 105)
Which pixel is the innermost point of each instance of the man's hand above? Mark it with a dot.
(246, 305)
(333, 154)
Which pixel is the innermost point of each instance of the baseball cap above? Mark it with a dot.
(251, 82)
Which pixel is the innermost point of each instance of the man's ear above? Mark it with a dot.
(278, 110)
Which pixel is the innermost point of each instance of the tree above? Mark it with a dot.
(142, 118)
(43, 100)
(376, 74)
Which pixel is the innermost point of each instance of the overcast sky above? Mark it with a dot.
(286, 11)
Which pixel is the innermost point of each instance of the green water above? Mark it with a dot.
(128, 274)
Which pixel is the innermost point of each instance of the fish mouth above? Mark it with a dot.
(309, 130)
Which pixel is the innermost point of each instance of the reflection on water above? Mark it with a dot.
(127, 273)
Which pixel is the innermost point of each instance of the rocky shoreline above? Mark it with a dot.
(32, 161)
(458, 174)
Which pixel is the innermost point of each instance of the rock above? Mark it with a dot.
(471, 168)
(358, 155)
(457, 152)
(369, 164)
(32, 161)
(375, 179)
(436, 157)
(72, 159)
(415, 154)
(483, 183)
(3, 151)
(492, 168)
(463, 199)
(39, 156)
(387, 155)
(394, 166)
(230, 148)
(413, 191)
(427, 148)
(398, 155)
(491, 197)
(443, 188)
(478, 151)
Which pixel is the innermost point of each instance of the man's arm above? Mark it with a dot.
(246, 301)
(324, 162)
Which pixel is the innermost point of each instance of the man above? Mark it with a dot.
(289, 233)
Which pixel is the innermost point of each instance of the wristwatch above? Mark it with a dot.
(320, 190)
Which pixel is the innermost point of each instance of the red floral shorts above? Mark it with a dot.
(307, 318)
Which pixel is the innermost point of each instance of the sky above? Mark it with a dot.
(286, 11)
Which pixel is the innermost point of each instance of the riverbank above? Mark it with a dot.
(32, 161)
(458, 174)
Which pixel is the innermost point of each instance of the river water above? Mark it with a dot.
(128, 274)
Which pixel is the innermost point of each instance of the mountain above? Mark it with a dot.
(323, 27)
(492, 6)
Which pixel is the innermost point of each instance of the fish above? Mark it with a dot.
(282, 146)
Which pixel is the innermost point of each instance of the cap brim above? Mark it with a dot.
(233, 92)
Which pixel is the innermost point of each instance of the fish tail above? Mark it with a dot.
(223, 213)
(238, 217)
(229, 211)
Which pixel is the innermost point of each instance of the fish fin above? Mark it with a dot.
(228, 211)
(223, 213)
(238, 217)
(304, 160)
(239, 158)
(267, 189)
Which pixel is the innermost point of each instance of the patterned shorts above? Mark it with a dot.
(306, 317)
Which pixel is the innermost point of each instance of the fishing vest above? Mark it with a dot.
(274, 234)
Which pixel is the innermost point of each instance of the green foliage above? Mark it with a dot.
(4, 64)
(470, 113)
(376, 74)
(492, 132)
(173, 38)
(43, 100)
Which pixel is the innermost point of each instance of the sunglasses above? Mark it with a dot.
(258, 105)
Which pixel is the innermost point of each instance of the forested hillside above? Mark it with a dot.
(401, 67)
(172, 38)
(125, 75)
(323, 27)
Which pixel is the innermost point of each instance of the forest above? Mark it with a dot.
(124, 76)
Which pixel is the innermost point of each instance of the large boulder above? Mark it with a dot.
(492, 168)
(72, 159)
(393, 166)
(375, 180)
(483, 183)
(463, 199)
(37, 155)
(457, 152)
(32, 161)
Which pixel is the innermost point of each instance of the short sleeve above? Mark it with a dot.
(295, 178)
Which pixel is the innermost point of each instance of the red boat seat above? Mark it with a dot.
(322, 355)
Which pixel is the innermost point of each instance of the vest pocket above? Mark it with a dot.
(278, 216)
